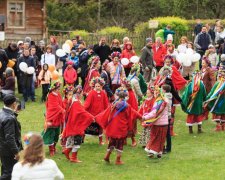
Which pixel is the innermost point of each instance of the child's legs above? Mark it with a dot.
(45, 88)
(168, 138)
(77, 142)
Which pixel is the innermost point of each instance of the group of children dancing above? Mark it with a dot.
(113, 104)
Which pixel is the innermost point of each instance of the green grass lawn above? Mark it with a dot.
(192, 157)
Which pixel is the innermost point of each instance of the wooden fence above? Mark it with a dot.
(138, 40)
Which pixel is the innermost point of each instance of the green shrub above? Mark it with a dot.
(177, 24)
(81, 33)
(141, 28)
(113, 30)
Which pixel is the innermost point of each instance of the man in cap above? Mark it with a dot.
(147, 59)
(10, 136)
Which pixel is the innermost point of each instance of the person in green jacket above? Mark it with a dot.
(192, 102)
(215, 102)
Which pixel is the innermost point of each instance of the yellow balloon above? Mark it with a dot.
(70, 43)
(11, 63)
(0, 64)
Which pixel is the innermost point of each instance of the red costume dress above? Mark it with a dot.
(70, 76)
(95, 103)
(66, 104)
(132, 101)
(55, 115)
(117, 120)
(78, 120)
(146, 108)
(93, 73)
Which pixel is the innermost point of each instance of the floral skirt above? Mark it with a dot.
(145, 136)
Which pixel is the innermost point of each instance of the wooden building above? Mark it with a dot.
(21, 18)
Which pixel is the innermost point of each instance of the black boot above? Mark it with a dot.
(190, 130)
(200, 129)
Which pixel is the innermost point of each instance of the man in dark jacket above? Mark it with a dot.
(102, 50)
(147, 60)
(10, 137)
(26, 79)
(202, 42)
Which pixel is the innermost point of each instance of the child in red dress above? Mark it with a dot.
(95, 103)
(132, 101)
(159, 119)
(117, 120)
(144, 109)
(78, 120)
(70, 74)
(55, 114)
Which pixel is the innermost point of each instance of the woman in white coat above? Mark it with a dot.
(34, 165)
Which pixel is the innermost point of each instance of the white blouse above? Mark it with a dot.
(47, 170)
(48, 59)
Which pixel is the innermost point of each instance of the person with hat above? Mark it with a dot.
(146, 60)
(117, 120)
(10, 136)
(134, 80)
(212, 56)
(70, 74)
(192, 102)
(215, 101)
(133, 102)
(146, 107)
(73, 57)
(116, 71)
(95, 103)
(55, 115)
(94, 64)
(78, 120)
(158, 119)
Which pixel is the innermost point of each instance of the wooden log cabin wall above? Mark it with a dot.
(21, 18)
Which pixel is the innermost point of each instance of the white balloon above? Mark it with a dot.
(30, 70)
(124, 61)
(196, 57)
(187, 61)
(23, 66)
(181, 57)
(60, 53)
(66, 48)
(189, 51)
(134, 59)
